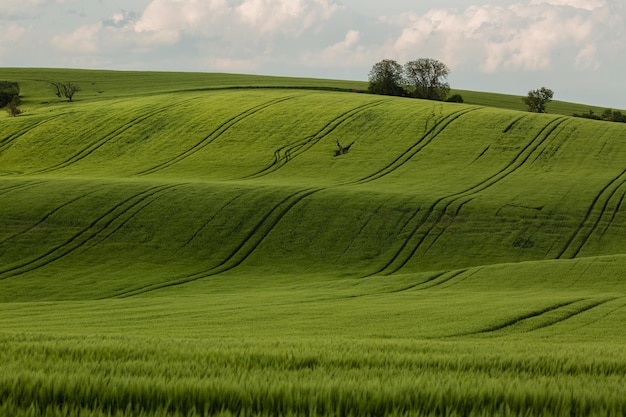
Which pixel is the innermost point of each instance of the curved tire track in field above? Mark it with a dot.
(561, 312)
(422, 142)
(438, 210)
(241, 252)
(590, 221)
(8, 141)
(618, 208)
(434, 281)
(111, 218)
(206, 223)
(93, 147)
(585, 307)
(46, 217)
(20, 186)
(290, 151)
(216, 133)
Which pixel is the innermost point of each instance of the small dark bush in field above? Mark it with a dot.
(608, 115)
(13, 107)
(8, 90)
(456, 98)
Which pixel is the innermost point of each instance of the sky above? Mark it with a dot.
(577, 48)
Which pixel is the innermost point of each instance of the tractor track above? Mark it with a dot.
(46, 217)
(438, 210)
(423, 141)
(216, 133)
(590, 223)
(560, 311)
(93, 147)
(292, 150)
(88, 234)
(241, 252)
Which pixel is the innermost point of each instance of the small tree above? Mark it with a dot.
(8, 90)
(536, 100)
(66, 90)
(13, 107)
(385, 78)
(428, 78)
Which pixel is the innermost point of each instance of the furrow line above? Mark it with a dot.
(206, 223)
(589, 224)
(298, 147)
(576, 312)
(8, 141)
(85, 152)
(240, 253)
(434, 215)
(216, 133)
(523, 317)
(364, 226)
(436, 280)
(46, 217)
(84, 236)
(421, 143)
(617, 209)
(20, 186)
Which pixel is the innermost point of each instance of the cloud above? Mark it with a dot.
(577, 4)
(223, 34)
(10, 35)
(520, 37)
(24, 8)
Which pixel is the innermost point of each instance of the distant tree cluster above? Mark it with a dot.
(608, 115)
(10, 97)
(536, 100)
(423, 78)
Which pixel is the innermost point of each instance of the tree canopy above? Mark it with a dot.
(386, 78)
(428, 77)
(536, 100)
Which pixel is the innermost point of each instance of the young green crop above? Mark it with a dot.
(189, 244)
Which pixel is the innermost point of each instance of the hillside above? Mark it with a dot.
(210, 207)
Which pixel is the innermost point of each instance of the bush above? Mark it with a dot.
(13, 107)
(8, 90)
(456, 98)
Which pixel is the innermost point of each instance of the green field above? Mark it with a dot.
(178, 244)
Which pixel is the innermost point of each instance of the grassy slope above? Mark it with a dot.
(221, 216)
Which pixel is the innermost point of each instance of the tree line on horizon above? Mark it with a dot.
(423, 78)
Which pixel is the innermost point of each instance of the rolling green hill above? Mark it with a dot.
(191, 244)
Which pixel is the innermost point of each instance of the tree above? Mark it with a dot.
(13, 107)
(66, 90)
(536, 100)
(428, 77)
(385, 78)
(8, 90)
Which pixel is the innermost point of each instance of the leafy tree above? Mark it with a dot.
(536, 100)
(8, 90)
(13, 107)
(66, 90)
(613, 116)
(428, 78)
(386, 78)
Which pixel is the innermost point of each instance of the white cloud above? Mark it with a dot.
(577, 4)
(519, 37)
(10, 35)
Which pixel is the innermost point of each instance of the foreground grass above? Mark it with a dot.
(129, 376)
